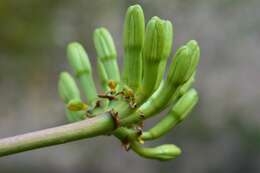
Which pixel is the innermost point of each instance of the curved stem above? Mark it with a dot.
(58, 135)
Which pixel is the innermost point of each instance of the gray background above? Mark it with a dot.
(221, 135)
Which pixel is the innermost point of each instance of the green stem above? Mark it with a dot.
(112, 69)
(149, 82)
(102, 76)
(58, 135)
(132, 74)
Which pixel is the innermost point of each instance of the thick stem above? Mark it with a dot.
(58, 135)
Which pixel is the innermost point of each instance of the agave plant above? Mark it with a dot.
(127, 99)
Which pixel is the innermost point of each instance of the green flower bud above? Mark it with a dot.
(184, 64)
(180, 66)
(154, 40)
(67, 88)
(134, 28)
(168, 37)
(162, 152)
(156, 49)
(166, 152)
(133, 44)
(77, 105)
(104, 44)
(166, 51)
(78, 59)
(106, 53)
(193, 45)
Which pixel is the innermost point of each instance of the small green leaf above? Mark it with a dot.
(77, 105)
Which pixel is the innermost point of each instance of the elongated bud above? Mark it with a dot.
(156, 47)
(168, 38)
(77, 105)
(67, 88)
(177, 114)
(133, 44)
(195, 49)
(78, 59)
(104, 44)
(180, 66)
(134, 28)
(162, 152)
(166, 51)
(184, 63)
(106, 53)
(154, 40)
(68, 92)
(166, 152)
(158, 39)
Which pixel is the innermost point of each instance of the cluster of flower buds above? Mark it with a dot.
(142, 91)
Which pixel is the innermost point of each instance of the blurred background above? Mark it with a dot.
(221, 135)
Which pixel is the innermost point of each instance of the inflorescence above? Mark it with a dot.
(141, 91)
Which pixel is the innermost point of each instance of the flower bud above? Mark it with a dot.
(78, 59)
(134, 28)
(154, 40)
(158, 39)
(67, 88)
(168, 37)
(193, 45)
(77, 105)
(156, 47)
(165, 152)
(133, 44)
(106, 53)
(166, 51)
(184, 64)
(162, 152)
(104, 44)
